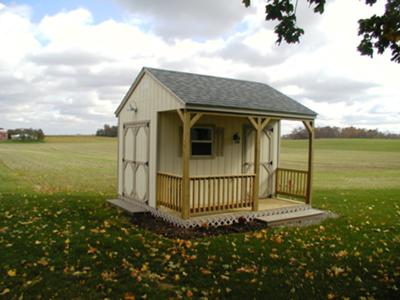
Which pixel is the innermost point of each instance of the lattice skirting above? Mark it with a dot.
(217, 219)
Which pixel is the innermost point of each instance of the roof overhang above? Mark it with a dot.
(130, 91)
(250, 112)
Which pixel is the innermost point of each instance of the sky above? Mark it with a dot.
(66, 65)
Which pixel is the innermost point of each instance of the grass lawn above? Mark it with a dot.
(59, 239)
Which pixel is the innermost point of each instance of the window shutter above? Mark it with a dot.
(219, 141)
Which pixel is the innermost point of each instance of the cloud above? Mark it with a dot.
(66, 73)
(69, 57)
(322, 87)
(188, 19)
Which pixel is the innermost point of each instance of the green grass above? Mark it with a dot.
(59, 239)
(63, 164)
(348, 163)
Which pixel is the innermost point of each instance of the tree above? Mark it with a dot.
(110, 131)
(27, 134)
(336, 132)
(378, 32)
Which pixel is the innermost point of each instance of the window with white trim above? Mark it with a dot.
(202, 140)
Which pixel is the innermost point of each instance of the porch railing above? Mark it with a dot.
(225, 192)
(207, 193)
(220, 193)
(169, 191)
(291, 182)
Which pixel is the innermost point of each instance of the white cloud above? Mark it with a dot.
(66, 73)
(179, 19)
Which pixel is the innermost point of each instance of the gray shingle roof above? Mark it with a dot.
(204, 90)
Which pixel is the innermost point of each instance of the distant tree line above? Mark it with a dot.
(26, 134)
(110, 131)
(336, 132)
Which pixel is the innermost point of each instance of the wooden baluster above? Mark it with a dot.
(291, 181)
(207, 207)
(224, 194)
(237, 202)
(213, 195)
(198, 194)
(305, 186)
(219, 194)
(174, 194)
(169, 192)
(240, 194)
(179, 193)
(159, 192)
(228, 187)
(232, 191)
(163, 190)
(193, 195)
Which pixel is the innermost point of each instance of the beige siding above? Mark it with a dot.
(232, 161)
(170, 143)
(149, 98)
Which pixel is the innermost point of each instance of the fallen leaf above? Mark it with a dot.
(337, 270)
(92, 250)
(330, 296)
(274, 256)
(43, 261)
(129, 296)
(341, 254)
(4, 292)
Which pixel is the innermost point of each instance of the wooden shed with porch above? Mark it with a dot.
(195, 147)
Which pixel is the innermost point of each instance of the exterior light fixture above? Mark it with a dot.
(132, 107)
(236, 138)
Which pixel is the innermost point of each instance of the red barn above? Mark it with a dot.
(3, 135)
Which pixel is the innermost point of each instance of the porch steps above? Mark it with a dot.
(131, 208)
(302, 217)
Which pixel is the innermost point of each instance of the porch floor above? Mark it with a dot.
(264, 205)
(272, 203)
(267, 207)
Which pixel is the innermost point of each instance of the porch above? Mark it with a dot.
(184, 195)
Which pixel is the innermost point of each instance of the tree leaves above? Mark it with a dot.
(378, 32)
(381, 32)
(283, 11)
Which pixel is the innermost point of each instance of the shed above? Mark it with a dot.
(194, 145)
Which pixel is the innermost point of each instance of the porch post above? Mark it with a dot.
(310, 128)
(256, 185)
(258, 124)
(185, 165)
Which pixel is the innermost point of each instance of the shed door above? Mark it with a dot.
(265, 158)
(135, 161)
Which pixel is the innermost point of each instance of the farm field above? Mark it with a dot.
(60, 239)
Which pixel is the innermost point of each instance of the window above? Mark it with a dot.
(202, 141)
